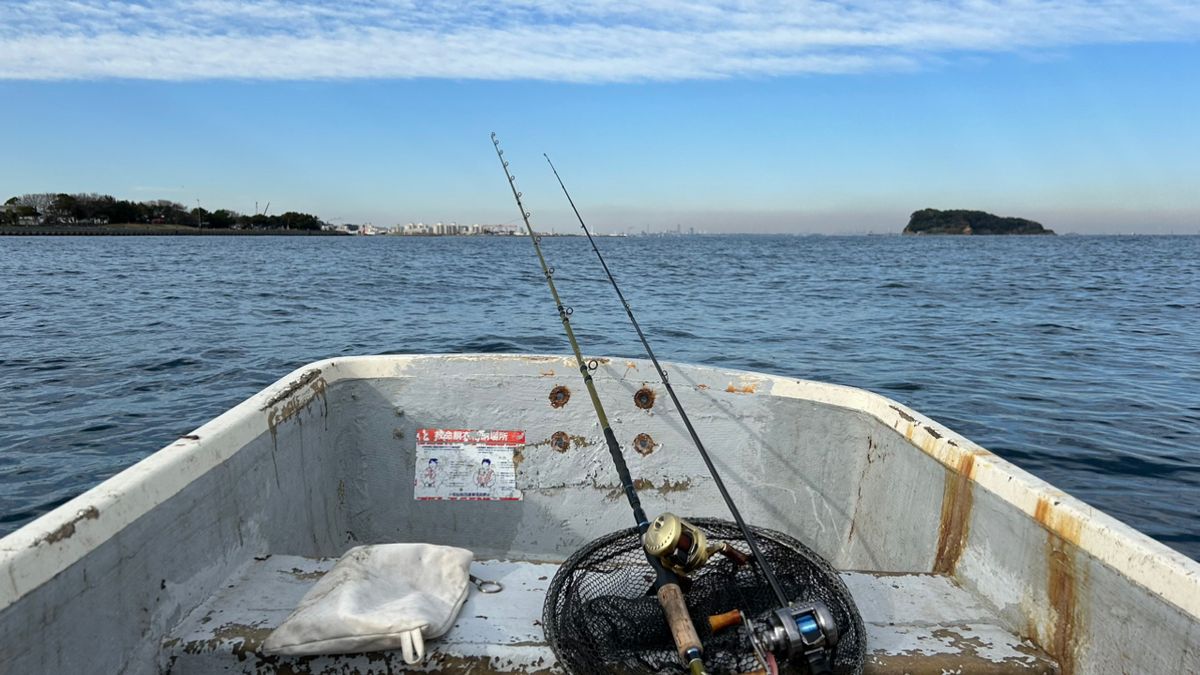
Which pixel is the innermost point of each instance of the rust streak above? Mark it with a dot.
(957, 499)
(1058, 522)
(1061, 591)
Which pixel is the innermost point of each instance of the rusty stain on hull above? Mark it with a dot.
(644, 444)
(747, 389)
(643, 484)
(954, 526)
(576, 441)
(1060, 588)
(644, 398)
(560, 441)
(559, 396)
(629, 365)
(1057, 521)
(67, 530)
(1062, 582)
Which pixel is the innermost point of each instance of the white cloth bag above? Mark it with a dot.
(378, 597)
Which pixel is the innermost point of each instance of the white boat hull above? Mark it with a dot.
(325, 459)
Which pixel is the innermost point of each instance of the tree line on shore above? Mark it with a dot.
(94, 209)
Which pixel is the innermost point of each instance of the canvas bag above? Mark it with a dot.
(389, 596)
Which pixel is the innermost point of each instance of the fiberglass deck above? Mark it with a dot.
(916, 624)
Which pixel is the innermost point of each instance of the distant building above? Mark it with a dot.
(441, 229)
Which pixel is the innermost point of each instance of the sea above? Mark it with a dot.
(1075, 357)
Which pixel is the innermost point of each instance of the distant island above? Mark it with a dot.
(958, 221)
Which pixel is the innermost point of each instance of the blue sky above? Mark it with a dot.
(799, 116)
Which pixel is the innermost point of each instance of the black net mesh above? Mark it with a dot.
(600, 617)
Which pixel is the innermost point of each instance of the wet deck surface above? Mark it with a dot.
(915, 624)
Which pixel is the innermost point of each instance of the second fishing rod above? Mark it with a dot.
(795, 631)
(666, 583)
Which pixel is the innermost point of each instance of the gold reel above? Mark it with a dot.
(682, 547)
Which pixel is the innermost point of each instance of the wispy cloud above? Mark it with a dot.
(598, 41)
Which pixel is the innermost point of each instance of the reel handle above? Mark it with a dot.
(740, 559)
(670, 596)
(719, 622)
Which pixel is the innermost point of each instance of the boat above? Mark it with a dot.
(957, 560)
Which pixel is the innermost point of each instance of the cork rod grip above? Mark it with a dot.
(670, 596)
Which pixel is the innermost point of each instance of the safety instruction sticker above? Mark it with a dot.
(466, 464)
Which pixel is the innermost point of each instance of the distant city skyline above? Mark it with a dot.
(762, 116)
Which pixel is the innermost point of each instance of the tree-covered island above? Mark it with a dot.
(46, 211)
(958, 221)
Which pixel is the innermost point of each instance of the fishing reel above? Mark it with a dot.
(682, 547)
(799, 633)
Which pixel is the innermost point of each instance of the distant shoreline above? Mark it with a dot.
(141, 230)
(136, 230)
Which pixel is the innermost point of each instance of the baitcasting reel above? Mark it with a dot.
(800, 634)
(682, 547)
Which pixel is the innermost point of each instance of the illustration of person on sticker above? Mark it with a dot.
(485, 476)
(429, 477)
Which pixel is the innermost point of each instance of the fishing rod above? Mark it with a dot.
(666, 583)
(793, 629)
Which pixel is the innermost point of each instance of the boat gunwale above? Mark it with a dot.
(44, 547)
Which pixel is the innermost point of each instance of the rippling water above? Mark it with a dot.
(1077, 358)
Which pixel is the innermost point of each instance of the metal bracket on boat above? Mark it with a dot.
(486, 585)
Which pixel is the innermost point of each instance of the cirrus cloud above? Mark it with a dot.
(598, 41)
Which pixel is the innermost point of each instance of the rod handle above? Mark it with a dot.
(719, 622)
(670, 596)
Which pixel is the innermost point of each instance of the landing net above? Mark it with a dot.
(600, 616)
